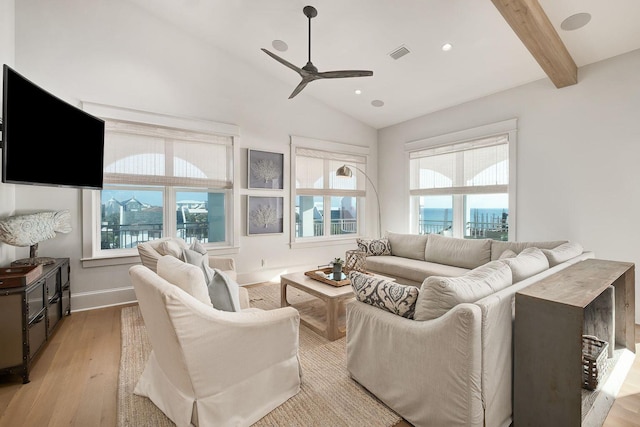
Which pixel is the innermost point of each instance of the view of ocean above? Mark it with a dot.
(433, 215)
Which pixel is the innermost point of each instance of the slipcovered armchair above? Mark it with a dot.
(210, 367)
(150, 252)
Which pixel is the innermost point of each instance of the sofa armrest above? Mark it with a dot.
(244, 298)
(222, 263)
(426, 371)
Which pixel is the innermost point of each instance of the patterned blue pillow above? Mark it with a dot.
(374, 247)
(390, 296)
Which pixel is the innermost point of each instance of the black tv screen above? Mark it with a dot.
(45, 140)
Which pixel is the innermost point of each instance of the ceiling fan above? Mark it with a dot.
(309, 72)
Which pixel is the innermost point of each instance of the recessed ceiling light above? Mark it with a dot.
(447, 47)
(575, 21)
(358, 91)
(377, 103)
(279, 45)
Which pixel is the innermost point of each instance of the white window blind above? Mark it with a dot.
(137, 154)
(478, 166)
(316, 173)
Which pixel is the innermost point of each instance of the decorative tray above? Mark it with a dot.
(325, 275)
(13, 277)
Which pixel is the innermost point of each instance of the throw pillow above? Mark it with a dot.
(498, 247)
(187, 277)
(440, 294)
(169, 247)
(508, 254)
(374, 247)
(390, 296)
(224, 292)
(197, 246)
(528, 262)
(562, 253)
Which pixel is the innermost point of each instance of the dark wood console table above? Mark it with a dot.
(30, 314)
(550, 318)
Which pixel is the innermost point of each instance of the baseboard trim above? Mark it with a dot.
(99, 299)
(125, 295)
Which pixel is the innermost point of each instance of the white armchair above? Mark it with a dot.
(150, 252)
(211, 367)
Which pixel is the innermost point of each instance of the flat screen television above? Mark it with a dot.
(47, 141)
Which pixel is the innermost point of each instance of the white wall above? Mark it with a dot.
(578, 157)
(111, 52)
(7, 55)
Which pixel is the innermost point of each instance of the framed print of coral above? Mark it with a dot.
(265, 215)
(266, 170)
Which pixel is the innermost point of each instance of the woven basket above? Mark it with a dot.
(356, 260)
(594, 361)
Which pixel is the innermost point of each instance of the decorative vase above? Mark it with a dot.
(337, 268)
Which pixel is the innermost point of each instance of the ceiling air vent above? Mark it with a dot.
(399, 52)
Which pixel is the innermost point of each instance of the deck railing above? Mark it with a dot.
(121, 236)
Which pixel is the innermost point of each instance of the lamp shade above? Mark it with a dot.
(344, 171)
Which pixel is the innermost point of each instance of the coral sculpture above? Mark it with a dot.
(266, 170)
(264, 216)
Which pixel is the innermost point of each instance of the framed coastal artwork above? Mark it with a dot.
(266, 170)
(265, 215)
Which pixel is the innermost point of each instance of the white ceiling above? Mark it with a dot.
(487, 56)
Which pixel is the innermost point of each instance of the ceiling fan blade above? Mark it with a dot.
(284, 62)
(305, 80)
(298, 88)
(344, 73)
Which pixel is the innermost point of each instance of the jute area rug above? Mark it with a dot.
(328, 396)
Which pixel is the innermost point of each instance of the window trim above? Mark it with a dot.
(331, 146)
(508, 127)
(90, 199)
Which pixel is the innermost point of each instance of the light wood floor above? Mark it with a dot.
(74, 380)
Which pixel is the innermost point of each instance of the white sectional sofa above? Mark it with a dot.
(436, 345)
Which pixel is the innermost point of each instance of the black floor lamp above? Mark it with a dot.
(345, 171)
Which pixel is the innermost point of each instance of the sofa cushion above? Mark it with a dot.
(562, 253)
(186, 276)
(465, 253)
(374, 247)
(411, 269)
(408, 245)
(223, 291)
(392, 297)
(439, 294)
(527, 263)
(498, 247)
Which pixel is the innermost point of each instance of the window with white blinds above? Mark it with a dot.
(164, 176)
(149, 155)
(326, 206)
(316, 173)
(463, 184)
(473, 167)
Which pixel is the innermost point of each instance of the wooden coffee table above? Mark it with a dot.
(325, 314)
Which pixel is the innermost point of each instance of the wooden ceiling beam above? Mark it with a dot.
(531, 24)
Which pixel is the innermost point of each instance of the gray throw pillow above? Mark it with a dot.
(223, 291)
(197, 246)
